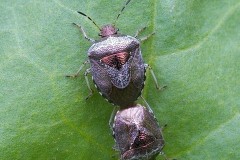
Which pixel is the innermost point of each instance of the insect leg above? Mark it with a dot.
(80, 68)
(139, 31)
(165, 157)
(163, 127)
(154, 77)
(87, 81)
(111, 120)
(148, 107)
(146, 37)
(150, 110)
(84, 33)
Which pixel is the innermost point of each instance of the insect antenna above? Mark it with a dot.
(89, 19)
(121, 11)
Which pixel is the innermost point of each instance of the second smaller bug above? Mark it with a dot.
(137, 133)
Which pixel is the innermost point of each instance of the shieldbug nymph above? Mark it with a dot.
(137, 133)
(117, 67)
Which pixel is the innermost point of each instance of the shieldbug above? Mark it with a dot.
(137, 133)
(117, 67)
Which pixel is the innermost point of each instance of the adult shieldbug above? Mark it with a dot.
(137, 133)
(117, 67)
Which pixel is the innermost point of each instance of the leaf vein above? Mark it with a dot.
(19, 44)
(205, 138)
(58, 3)
(206, 38)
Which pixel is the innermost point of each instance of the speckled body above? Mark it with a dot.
(121, 83)
(137, 134)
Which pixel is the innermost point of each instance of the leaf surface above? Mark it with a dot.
(195, 52)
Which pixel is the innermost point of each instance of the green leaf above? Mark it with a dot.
(195, 52)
